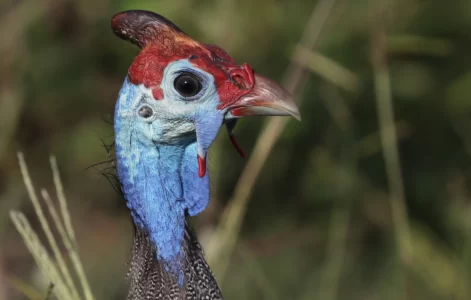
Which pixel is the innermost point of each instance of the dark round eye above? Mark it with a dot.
(187, 85)
(146, 112)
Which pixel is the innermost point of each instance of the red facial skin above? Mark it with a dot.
(232, 80)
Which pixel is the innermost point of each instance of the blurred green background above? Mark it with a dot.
(324, 220)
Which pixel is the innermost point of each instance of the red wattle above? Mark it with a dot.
(201, 166)
(236, 146)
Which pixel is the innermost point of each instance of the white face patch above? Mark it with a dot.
(172, 119)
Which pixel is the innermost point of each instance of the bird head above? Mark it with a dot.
(188, 88)
(176, 96)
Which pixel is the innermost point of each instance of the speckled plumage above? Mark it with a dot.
(149, 280)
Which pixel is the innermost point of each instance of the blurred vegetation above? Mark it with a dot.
(327, 217)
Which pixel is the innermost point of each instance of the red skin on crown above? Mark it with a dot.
(232, 80)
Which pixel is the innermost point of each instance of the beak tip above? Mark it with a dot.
(294, 112)
(267, 98)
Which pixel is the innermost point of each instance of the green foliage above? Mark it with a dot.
(319, 223)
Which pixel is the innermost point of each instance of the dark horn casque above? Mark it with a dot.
(144, 27)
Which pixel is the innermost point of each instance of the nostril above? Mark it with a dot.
(242, 76)
(239, 81)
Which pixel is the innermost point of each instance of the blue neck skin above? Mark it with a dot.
(160, 181)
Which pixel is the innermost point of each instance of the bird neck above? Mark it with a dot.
(161, 186)
(150, 280)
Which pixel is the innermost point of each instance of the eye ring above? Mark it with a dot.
(187, 84)
(145, 111)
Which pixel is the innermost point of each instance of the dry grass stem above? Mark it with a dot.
(388, 135)
(24, 288)
(40, 255)
(328, 69)
(224, 239)
(340, 217)
(45, 226)
(70, 242)
(58, 273)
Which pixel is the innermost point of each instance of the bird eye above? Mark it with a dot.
(145, 112)
(187, 85)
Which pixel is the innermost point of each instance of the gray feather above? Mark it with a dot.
(149, 280)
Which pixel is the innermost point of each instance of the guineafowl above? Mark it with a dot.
(175, 97)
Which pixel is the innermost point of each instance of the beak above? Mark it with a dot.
(267, 98)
